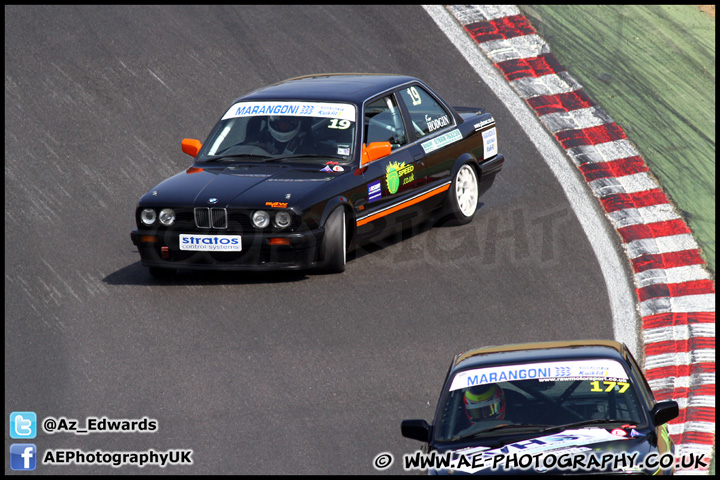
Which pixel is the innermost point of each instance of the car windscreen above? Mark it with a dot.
(277, 131)
(540, 396)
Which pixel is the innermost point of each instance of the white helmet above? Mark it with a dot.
(283, 129)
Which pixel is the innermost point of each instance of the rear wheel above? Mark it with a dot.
(332, 249)
(463, 195)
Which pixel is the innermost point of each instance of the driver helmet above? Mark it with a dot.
(283, 129)
(484, 402)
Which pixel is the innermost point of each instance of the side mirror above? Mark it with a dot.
(416, 429)
(191, 146)
(663, 412)
(374, 151)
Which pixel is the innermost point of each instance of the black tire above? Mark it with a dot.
(463, 196)
(333, 254)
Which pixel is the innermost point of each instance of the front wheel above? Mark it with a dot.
(333, 247)
(463, 195)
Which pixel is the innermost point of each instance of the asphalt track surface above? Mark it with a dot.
(254, 373)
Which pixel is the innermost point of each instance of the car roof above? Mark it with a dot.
(343, 87)
(539, 352)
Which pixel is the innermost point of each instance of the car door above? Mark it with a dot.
(393, 181)
(433, 130)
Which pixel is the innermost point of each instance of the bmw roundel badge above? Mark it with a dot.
(212, 200)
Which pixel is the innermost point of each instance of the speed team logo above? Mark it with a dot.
(394, 171)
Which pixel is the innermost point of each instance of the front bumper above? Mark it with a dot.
(296, 251)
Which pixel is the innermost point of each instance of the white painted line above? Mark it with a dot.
(703, 427)
(679, 333)
(705, 355)
(603, 152)
(643, 215)
(468, 14)
(682, 382)
(637, 182)
(685, 304)
(576, 119)
(516, 48)
(696, 401)
(672, 243)
(671, 275)
(553, 84)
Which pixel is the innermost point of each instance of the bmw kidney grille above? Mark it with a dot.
(211, 217)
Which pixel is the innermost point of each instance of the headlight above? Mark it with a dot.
(148, 216)
(282, 219)
(260, 219)
(167, 216)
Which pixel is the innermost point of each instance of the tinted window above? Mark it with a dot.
(426, 114)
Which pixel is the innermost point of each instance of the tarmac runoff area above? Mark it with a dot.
(669, 114)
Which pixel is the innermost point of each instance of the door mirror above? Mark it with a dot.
(374, 151)
(191, 146)
(663, 412)
(416, 429)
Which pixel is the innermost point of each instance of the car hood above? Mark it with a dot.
(250, 186)
(596, 442)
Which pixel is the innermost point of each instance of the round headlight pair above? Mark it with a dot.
(167, 216)
(261, 219)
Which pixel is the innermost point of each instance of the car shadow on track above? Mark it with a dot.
(136, 274)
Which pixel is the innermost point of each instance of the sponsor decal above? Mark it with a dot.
(296, 109)
(490, 142)
(567, 442)
(618, 432)
(211, 243)
(438, 123)
(442, 140)
(548, 371)
(338, 168)
(564, 439)
(276, 204)
(394, 173)
(374, 191)
(481, 124)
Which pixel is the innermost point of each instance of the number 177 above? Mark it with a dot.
(610, 386)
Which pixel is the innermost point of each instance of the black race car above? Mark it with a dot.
(295, 174)
(557, 407)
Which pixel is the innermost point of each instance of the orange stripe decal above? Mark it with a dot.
(402, 205)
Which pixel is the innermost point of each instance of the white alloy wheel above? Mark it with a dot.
(466, 190)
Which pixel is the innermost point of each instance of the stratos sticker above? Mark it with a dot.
(211, 243)
(568, 370)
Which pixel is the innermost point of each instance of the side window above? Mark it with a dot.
(383, 123)
(426, 114)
